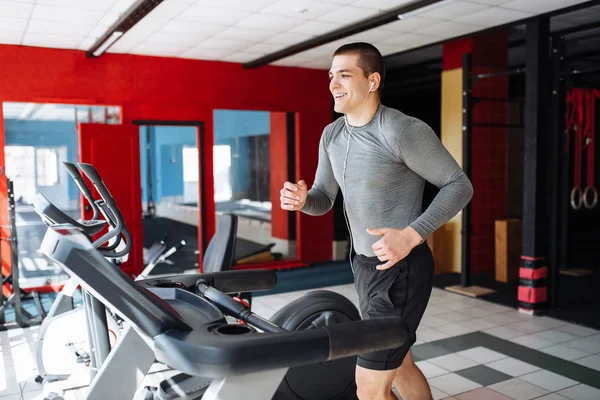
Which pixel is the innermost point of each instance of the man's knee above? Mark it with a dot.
(407, 364)
(371, 384)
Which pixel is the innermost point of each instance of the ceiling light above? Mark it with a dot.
(132, 16)
(107, 43)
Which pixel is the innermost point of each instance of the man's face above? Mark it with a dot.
(348, 84)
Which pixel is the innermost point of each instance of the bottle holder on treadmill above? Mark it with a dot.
(233, 330)
(168, 284)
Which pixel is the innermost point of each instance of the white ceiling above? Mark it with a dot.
(243, 30)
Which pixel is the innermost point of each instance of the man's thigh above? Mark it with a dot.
(402, 290)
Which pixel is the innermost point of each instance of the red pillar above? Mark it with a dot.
(278, 148)
(488, 141)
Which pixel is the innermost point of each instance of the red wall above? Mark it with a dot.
(178, 89)
(452, 53)
(4, 230)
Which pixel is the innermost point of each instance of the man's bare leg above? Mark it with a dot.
(374, 385)
(410, 381)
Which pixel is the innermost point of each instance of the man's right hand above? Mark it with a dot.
(293, 196)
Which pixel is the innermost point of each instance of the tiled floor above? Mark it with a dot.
(467, 348)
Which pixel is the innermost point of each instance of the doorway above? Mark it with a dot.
(170, 182)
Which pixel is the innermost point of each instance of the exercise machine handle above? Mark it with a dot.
(235, 309)
(91, 172)
(83, 187)
(243, 281)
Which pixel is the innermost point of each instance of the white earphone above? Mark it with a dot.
(372, 84)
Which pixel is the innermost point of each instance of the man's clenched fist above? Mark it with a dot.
(293, 196)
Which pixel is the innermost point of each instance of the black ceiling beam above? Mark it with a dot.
(348, 30)
(131, 17)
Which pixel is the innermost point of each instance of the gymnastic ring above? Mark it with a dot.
(576, 204)
(594, 197)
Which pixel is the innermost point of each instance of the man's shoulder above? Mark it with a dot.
(336, 125)
(392, 116)
(332, 129)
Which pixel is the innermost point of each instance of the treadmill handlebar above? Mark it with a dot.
(345, 340)
(91, 172)
(235, 309)
(113, 211)
(83, 187)
(53, 215)
(235, 350)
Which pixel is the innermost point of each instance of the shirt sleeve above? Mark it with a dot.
(425, 155)
(322, 194)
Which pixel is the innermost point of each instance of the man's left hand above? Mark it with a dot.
(394, 245)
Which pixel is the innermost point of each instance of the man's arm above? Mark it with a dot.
(424, 154)
(322, 195)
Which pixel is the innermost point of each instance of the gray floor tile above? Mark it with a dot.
(518, 389)
(548, 380)
(454, 316)
(430, 370)
(552, 396)
(438, 394)
(482, 394)
(455, 329)
(504, 332)
(452, 362)
(581, 392)
(453, 384)
(513, 367)
(430, 334)
(557, 336)
(532, 341)
(481, 355)
(426, 351)
(564, 352)
(459, 343)
(483, 375)
(577, 330)
(586, 344)
(590, 362)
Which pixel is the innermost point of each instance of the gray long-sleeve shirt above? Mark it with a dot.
(388, 161)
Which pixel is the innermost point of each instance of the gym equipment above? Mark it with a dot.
(184, 327)
(320, 381)
(159, 254)
(63, 348)
(580, 119)
(155, 250)
(51, 354)
(325, 381)
(316, 309)
(14, 294)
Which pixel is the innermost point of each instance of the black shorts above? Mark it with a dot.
(402, 290)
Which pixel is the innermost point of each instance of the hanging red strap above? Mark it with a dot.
(569, 118)
(577, 110)
(590, 194)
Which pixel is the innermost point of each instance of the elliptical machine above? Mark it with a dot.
(73, 342)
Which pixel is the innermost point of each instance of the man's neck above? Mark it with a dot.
(362, 117)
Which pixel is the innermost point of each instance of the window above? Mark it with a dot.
(20, 169)
(46, 166)
(222, 172)
(190, 164)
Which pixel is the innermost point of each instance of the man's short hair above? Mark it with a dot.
(370, 59)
